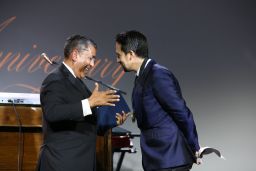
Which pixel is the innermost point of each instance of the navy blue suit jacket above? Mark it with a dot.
(168, 132)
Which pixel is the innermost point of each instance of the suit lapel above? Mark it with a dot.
(137, 94)
(84, 87)
(76, 83)
(145, 72)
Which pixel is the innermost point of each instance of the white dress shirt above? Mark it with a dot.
(138, 71)
(85, 103)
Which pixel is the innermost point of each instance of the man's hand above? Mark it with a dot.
(102, 98)
(120, 118)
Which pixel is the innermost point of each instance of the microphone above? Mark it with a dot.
(89, 78)
(47, 59)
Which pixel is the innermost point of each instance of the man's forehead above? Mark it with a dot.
(118, 47)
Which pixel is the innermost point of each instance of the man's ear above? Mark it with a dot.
(132, 54)
(74, 54)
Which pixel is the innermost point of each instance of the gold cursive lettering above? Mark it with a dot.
(47, 65)
(34, 65)
(6, 23)
(10, 66)
(104, 72)
(115, 75)
(22, 61)
(29, 62)
(26, 86)
(5, 59)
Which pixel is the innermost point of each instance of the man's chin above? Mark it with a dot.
(82, 75)
(126, 70)
(85, 73)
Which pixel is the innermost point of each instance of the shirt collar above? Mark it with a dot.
(70, 69)
(138, 71)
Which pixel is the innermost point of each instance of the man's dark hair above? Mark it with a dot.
(77, 41)
(133, 41)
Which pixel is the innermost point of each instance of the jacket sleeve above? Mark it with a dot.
(55, 103)
(168, 93)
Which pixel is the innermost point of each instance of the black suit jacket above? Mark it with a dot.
(69, 137)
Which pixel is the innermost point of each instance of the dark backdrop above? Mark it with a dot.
(209, 45)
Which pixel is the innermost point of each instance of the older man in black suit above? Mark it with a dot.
(69, 120)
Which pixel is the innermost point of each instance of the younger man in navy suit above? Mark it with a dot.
(169, 140)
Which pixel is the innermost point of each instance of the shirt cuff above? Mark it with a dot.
(86, 107)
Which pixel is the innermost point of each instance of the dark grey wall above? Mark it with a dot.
(209, 45)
